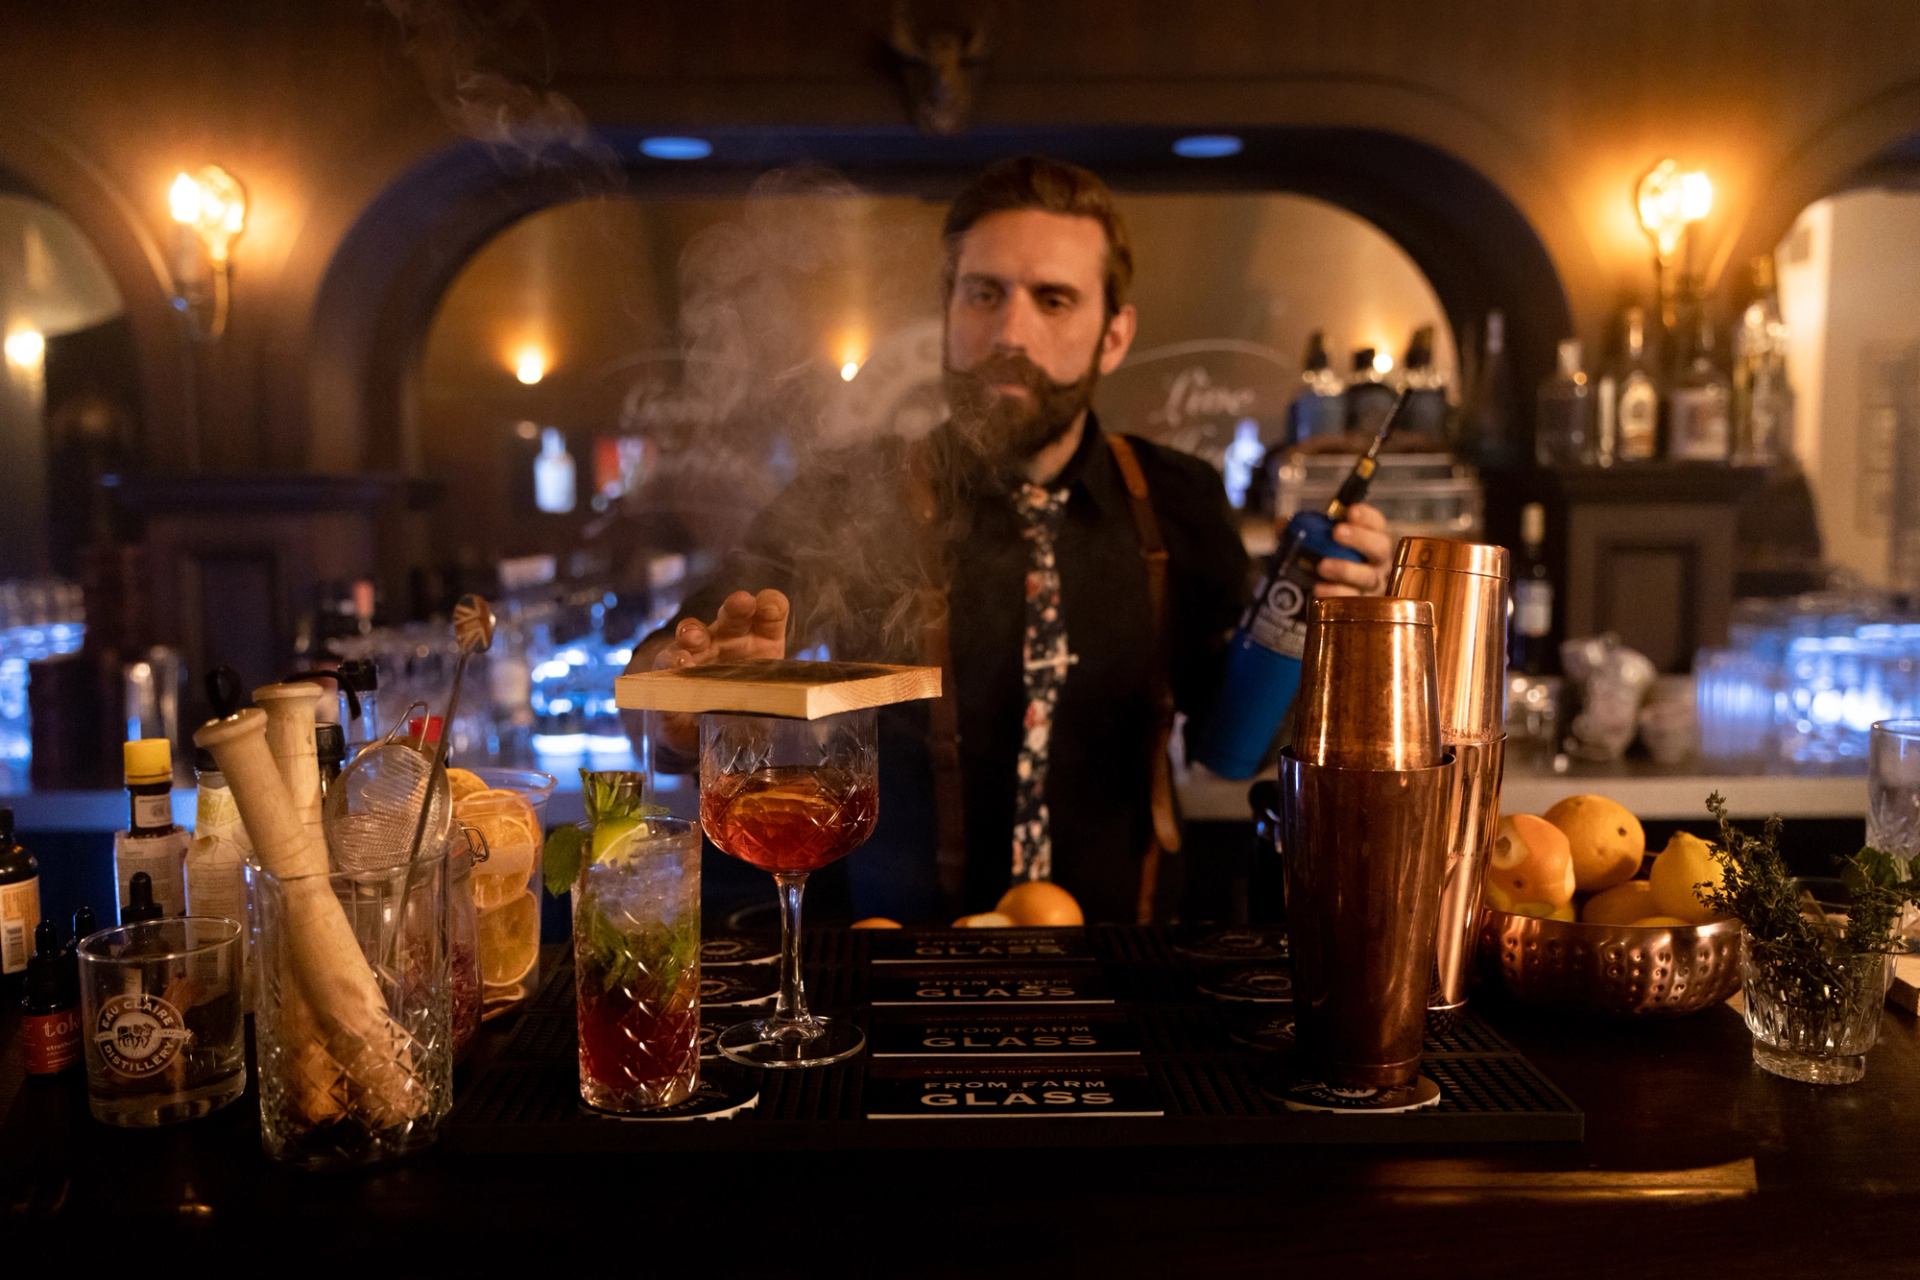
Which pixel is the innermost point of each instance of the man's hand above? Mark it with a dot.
(747, 627)
(1365, 530)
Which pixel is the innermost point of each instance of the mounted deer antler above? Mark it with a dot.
(941, 65)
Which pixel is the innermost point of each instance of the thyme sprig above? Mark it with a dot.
(1794, 936)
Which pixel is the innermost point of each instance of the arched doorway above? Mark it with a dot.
(374, 307)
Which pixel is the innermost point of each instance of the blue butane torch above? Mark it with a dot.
(1263, 666)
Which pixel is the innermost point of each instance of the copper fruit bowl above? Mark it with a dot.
(1630, 970)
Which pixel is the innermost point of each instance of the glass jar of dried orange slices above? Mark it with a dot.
(507, 807)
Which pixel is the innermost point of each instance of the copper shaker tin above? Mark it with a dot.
(1364, 852)
(1368, 697)
(1467, 584)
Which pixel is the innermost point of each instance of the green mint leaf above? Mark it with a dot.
(562, 856)
(615, 793)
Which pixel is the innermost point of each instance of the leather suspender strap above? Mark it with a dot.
(1153, 549)
(936, 650)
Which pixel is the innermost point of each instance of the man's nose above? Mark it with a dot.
(1014, 329)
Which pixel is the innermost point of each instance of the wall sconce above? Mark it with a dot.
(1669, 201)
(209, 212)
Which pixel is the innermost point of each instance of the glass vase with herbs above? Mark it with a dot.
(1814, 966)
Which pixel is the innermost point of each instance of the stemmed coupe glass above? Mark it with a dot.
(789, 796)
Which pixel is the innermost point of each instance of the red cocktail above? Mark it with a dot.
(789, 796)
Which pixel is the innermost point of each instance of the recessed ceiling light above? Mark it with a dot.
(1207, 146)
(672, 148)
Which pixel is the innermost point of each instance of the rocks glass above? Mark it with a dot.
(161, 1018)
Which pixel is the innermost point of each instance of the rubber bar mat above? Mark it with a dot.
(1206, 1031)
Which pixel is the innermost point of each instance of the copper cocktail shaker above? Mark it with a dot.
(1362, 795)
(1467, 584)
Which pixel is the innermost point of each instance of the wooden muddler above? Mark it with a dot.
(290, 737)
(331, 969)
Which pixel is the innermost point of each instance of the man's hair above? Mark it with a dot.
(1051, 186)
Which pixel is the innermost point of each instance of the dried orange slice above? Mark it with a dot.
(509, 937)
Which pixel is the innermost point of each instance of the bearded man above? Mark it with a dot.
(1077, 586)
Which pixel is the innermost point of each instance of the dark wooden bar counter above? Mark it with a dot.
(1692, 1157)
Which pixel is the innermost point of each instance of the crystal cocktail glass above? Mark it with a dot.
(636, 964)
(789, 796)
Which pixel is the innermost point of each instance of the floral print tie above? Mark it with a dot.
(1046, 660)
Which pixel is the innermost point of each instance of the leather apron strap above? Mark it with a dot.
(1163, 803)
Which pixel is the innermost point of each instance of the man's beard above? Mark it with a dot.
(1006, 430)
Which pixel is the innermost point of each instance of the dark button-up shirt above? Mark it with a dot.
(842, 545)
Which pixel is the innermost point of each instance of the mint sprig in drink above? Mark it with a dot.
(636, 948)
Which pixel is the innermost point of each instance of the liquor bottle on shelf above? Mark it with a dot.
(1263, 660)
(1485, 432)
(1319, 408)
(1636, 396)
(1700, 403)
(151, 845)
(19, 905)
(1369, 398)
(1762, 392)
(1563, 432)
(1426, 413)
(1528, 645)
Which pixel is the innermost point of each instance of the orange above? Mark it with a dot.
(1607, 841)
(1531, 861)
(509, 938)
(1039, 902)
(876, 922)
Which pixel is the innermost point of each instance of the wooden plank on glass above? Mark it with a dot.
(784, 687)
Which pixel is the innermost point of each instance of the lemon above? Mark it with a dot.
(1622, 904)
(1606, 840)
(1686, 861)
(509, 938)
(1662, 922)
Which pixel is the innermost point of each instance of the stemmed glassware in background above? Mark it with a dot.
(789, 796)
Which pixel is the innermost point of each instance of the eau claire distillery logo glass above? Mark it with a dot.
(139, 1035)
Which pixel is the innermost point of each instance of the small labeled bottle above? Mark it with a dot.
(19, 905)
(1369, 396)
(151, 844)
(1699, 407)
(50, 1010)
(1320, 406)
(1532, 596)
(1564, 433)
(218, 853)
(1636, 402)
(139, 905)
(83, 924)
